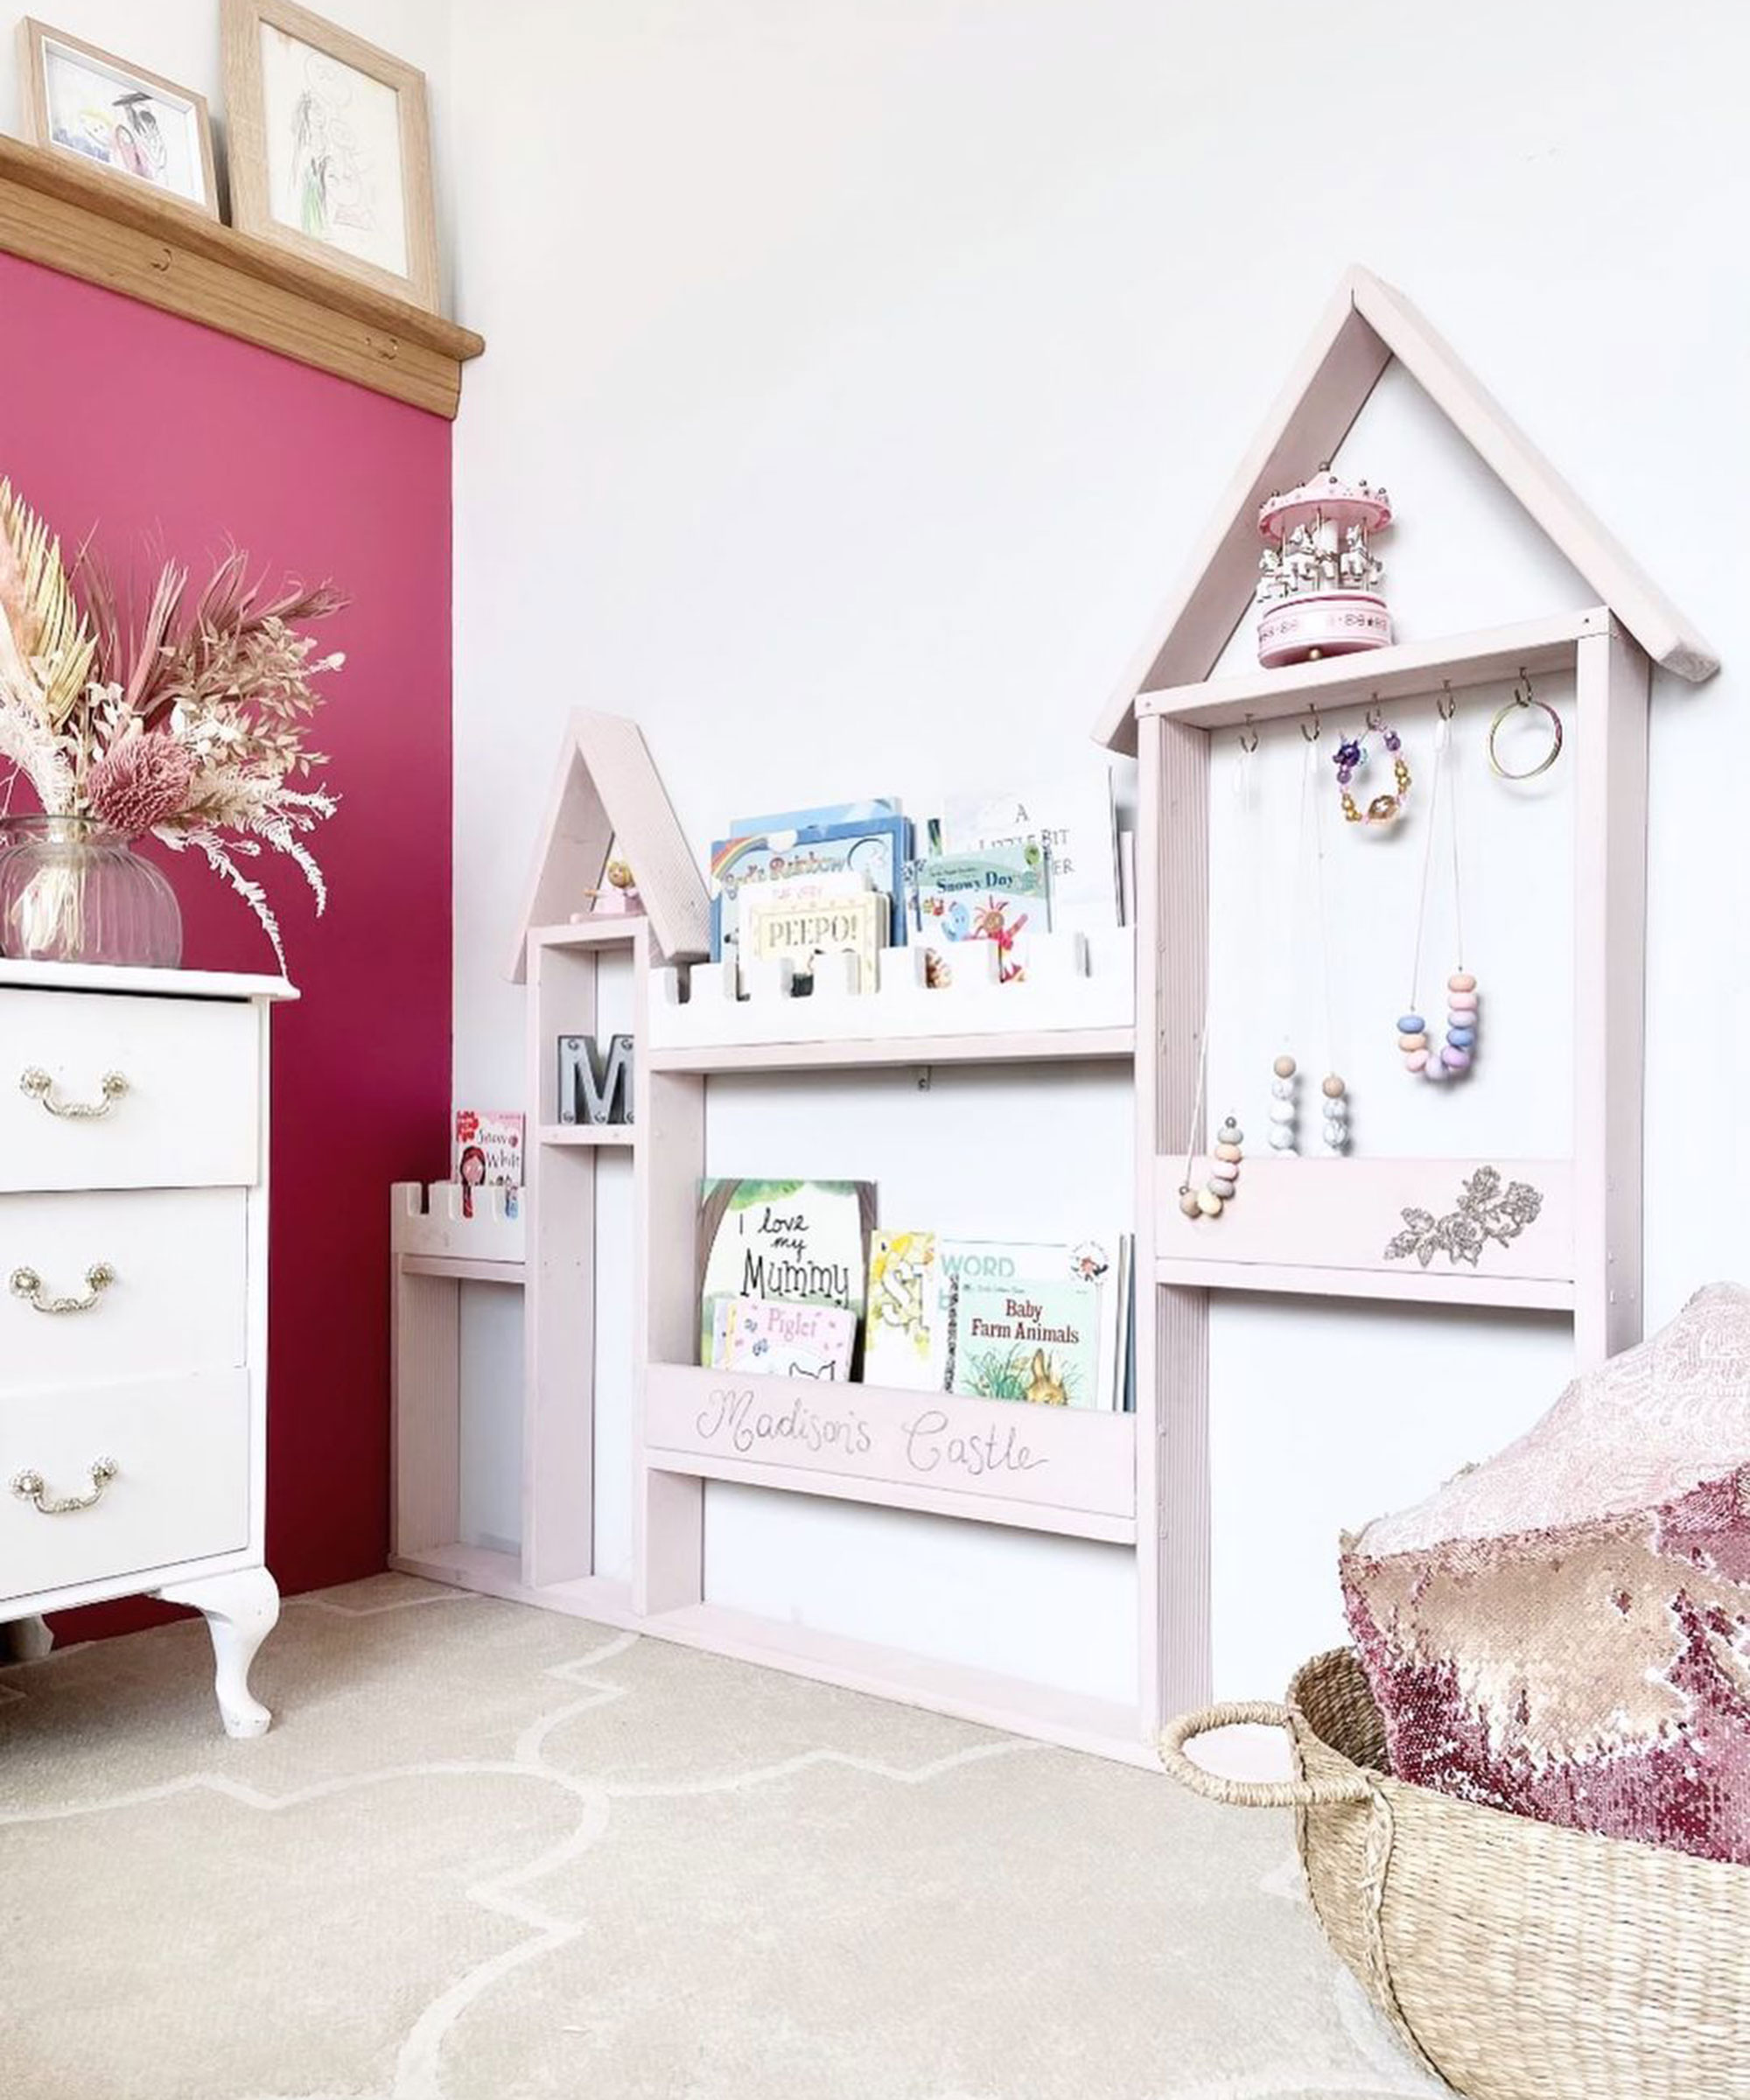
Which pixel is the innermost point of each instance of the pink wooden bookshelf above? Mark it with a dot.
(1138, 1482)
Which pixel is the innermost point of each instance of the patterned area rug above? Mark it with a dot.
(490, 1853)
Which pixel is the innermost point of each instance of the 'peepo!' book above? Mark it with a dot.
(796, 1243)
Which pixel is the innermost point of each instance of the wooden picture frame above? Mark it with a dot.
(330, 148)
(152, 132)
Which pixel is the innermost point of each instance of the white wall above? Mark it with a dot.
(180, 39)
(857, 380)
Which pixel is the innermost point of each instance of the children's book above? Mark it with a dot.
(812, 820)
(488, 1154)
(803, 920)
(901, 1344)
(1074, 825)
(782, 1342)
(800, 1242)
(917, 1279)
(995, 896)
(1037, 1340)
(1016, 1266)
(878, 849)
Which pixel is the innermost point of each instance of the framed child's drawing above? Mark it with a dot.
(116, 115)
(330, 147)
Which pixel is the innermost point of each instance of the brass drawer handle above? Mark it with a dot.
(40, 1087)
(28, 1488)
(27, 1284)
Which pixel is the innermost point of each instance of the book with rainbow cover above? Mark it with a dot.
(878, 849)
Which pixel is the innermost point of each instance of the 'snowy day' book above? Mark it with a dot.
(1074, 823)
(804, 1243)
(998, 896)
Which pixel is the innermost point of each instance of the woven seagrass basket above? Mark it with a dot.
(1516, 1960)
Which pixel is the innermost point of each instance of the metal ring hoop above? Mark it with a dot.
(1524, 698)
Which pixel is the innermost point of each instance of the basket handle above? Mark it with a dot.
(1250, 1793)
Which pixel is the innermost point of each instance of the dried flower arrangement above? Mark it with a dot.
(188, 722)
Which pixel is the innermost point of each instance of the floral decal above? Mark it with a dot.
(1486, 1211)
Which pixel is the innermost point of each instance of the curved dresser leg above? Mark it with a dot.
(30, 1639)
(241, 1611)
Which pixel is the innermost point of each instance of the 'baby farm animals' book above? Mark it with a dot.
(801, 1242)
(1038, 1342)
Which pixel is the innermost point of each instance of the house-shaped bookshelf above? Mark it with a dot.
(1318, 1227)
(606, 791)
(1138, 1483)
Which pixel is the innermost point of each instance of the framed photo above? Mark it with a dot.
(330, 147)
(78, 98)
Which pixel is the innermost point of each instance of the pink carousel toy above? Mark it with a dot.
(1318, 581)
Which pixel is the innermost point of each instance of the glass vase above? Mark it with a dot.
(71, 892)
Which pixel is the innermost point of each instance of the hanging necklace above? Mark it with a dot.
(1285, 1107)
(1452, 1060)
(1223, 1180)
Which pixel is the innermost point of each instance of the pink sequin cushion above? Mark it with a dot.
(1564, 1631)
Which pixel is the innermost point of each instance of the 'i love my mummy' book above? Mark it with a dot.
(800, 1242)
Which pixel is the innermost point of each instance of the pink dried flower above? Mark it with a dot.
(140, 783)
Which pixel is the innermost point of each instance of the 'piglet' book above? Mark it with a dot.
(782, 1342)
(801, 1242)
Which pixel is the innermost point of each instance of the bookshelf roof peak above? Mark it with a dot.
(1366, 325)
(606, 793)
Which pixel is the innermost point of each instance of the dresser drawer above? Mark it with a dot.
(177, 1299)
(180, 1490)
(186, 1118)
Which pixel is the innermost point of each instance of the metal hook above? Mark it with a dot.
(1445, 706)
(1312, 734)
(1249, 738)
(1522, 691)
(1374, 721)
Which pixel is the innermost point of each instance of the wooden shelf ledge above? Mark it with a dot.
(1406, 670)
(1022, 1047)
(133, 239)
(587, 1133)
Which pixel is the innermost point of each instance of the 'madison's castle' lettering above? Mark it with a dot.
(928, 1443)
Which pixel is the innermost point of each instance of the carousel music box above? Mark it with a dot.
(1318, 581)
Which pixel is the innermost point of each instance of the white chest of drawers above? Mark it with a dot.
(133, 1299)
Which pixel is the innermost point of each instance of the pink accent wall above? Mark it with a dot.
(114, 415)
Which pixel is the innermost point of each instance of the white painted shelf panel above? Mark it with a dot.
(1404, 671)
(1079, 989)
(1321, 1226)
(1070, 1471)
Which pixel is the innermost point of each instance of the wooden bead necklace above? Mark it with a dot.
(1285, 1106)
(1223, 1182)
(1454, 1056)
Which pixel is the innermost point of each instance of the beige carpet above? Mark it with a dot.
(488, 1853)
